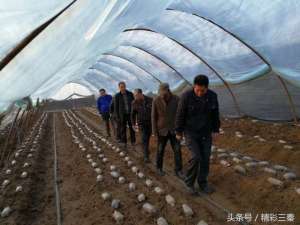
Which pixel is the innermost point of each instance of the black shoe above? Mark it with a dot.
(207, 189)
(191, 190)
(160, 172)
(180, 175)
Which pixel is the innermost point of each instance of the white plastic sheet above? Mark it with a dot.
(227, 55)
(269, 26)
(19, 18)
(71, 44)
(184, 62)
(76, 40)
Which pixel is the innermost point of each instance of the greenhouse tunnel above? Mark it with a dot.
(250, 63)
(104, 118)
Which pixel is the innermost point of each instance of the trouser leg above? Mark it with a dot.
(146, 134)
(105, 118)
(177, 152)
(194, 162)
(107, 125)
(123, 128)
(205, 152)
(118, 126)
(131, 130)
(162, 141)
(114, 127)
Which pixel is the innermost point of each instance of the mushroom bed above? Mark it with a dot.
(255, 168)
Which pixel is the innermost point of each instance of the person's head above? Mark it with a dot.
(164, 89)
(201, 83)
(102, 92)
(122, 86)
(138, 94)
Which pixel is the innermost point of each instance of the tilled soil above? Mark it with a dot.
(81, 201)
(253, 192)
(271, 149)
(35, 204)
(249, 193)
(130, 206)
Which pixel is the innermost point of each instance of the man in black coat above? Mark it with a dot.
(122, 109)
(198, 118)
(141, 116)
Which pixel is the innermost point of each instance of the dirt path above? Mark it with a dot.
(80, 202)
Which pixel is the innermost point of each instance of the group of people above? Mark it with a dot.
(194, 115)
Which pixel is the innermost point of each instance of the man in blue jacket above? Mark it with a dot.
(103, 105)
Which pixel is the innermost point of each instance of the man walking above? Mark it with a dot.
(141, 115)
(103, 105)
(122, 107)
(114, 122)
(163, 126)
(198, 118)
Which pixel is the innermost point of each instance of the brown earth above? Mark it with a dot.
(131, 208)
(81, 200)
(270, 150)
(251, 193)
(35, 204)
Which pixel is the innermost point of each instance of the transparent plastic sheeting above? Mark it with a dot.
(270, 26)
(53, 84)
(132, 68)
(120, 74)
(71, 44)
(72, 90)
(100, 80)
(264, 98)
(227, 55)
(74, 42)
(19, 18)
(154, 66)
(137, 42)
(87, 84)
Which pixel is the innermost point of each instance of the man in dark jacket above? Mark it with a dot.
(141, 115)
(103, 105)
(198, 118)
(163, 126)
(122, 107)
